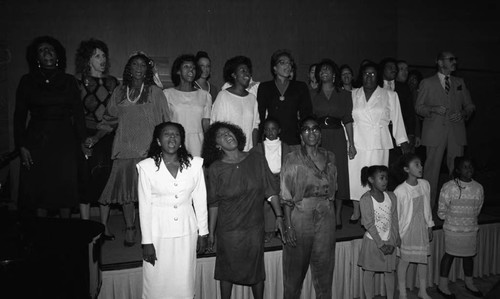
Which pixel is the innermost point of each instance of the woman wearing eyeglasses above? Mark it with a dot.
(284, 99)
(373, 109)
(308, 186)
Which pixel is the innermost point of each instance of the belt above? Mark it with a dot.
(329, 122)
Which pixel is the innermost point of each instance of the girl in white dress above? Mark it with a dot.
(173, 215)
(189, 106)
(415, 224)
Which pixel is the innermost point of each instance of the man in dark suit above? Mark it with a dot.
(445, 103)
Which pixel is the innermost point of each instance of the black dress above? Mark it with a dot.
(239, 191)
(338, 108)
(296, 104)
(53, 136)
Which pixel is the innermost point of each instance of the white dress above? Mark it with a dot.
(173, 212)
(188, 109)
(372, 137)
(241, 111)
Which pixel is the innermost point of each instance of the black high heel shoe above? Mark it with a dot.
(130, 230)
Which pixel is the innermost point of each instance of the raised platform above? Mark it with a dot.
(123, 279)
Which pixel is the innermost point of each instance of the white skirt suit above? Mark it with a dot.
(372, 137)
(173, 212)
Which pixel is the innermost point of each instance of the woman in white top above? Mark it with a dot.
(373, 108)
(173, 214)
(235, 104)
(189, 106)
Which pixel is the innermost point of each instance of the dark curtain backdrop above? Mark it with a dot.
(346, 31)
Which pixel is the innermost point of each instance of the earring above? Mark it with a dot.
(57, 62)
(39, 66)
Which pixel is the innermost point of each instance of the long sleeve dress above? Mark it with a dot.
(239, 191)
(188, 109)
(332, 113)
(296, 104)
(95, 170)
(173, 212)
(459, 206)
(372, 137)
(53, 136)
(134, 124)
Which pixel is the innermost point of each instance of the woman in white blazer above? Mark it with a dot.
(173, 214)
(373, 109)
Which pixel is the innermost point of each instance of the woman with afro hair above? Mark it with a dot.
(238, 184)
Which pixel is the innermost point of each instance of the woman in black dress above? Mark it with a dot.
(239, 182)
(284, 99)
(50, 143)
(333, 108)
(96, 87)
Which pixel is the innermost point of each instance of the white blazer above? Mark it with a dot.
(372, 118)
(171, 207)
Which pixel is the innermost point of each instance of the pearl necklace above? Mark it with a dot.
(138, 97)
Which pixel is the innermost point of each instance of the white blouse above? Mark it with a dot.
(171, 207)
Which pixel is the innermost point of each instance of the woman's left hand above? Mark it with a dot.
(351, 152)
(201, 245)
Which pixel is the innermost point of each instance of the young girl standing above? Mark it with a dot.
(415, 223)
(380, 218)
(460, 202)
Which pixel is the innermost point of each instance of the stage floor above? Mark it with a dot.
(116, 256)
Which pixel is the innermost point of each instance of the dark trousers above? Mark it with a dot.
(314, 222)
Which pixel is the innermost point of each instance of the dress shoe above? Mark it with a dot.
(446, 296)
(353, 221)
(474, 293)
(338, 226)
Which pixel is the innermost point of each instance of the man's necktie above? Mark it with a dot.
(447, 84)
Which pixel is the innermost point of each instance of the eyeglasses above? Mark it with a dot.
(309, 130)
(284, 62)
(451, 59)
(370, 74)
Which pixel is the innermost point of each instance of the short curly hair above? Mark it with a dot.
(32, 52)
(176, 66)
(210, 151)
(127, 71)
(276, 56)
(85, 51)
(232, 65)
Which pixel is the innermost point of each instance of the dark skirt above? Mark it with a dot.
(240, 256)
(335, 141)
(94, 171)
(52, 181)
